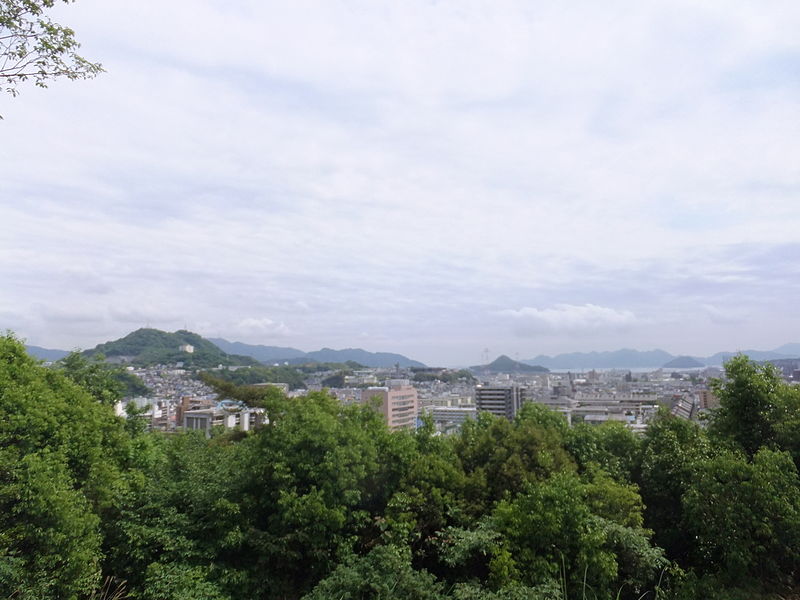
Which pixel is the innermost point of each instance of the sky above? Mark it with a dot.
(435, 178)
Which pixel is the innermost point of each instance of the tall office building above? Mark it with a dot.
(503, 401)
(398, 403)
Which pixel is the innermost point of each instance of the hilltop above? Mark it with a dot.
(683, 362)
(152, 346)
(504, 364)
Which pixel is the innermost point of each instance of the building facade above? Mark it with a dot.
(398, 403)
(503, 401)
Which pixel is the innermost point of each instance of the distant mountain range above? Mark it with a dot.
(152, 346)
(634, 359)
(261, 353)
(618, 359)
(504, 364)
(368, 359)
(46, 354)
(271, 354)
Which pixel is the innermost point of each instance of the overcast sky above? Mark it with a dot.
(425, 177)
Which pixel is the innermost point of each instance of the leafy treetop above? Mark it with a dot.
(33, 47)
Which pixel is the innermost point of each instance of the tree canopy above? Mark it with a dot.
(33, 46)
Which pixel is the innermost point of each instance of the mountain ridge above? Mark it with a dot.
(627, 358)
(46, 354)
(295, 356)
(258, 351)
(614, 359)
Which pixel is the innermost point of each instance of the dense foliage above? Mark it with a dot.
(255, 375)
(105, 381)
(325, 502)
(292, 375)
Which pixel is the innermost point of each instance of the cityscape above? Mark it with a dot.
(406, 396)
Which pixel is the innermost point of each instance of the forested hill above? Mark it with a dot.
(152, 346)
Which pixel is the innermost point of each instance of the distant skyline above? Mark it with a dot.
(427, 178)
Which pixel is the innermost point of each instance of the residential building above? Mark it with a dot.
(707, 399)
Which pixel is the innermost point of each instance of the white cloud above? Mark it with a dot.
(724, 316)
(399, 168)
(260, 328)
(569, 319)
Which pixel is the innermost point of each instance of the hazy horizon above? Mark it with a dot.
(427, 178)
(492, 354)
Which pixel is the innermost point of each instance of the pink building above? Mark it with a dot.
(398, 403)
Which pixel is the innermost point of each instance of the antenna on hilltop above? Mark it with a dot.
(485, 356)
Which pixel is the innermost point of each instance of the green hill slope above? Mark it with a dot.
(153, 346)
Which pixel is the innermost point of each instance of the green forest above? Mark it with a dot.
(325, 502)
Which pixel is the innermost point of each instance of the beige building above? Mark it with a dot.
(398, 403)
(707, 399)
